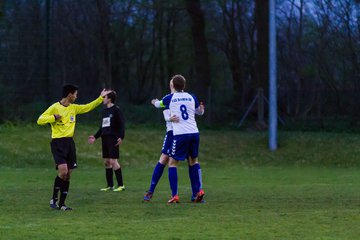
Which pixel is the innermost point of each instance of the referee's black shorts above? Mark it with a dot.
(109, 150)
(64, 152)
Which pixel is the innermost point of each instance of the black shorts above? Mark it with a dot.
(64, 152)
(109, 150)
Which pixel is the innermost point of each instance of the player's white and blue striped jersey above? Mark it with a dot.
(183, 105)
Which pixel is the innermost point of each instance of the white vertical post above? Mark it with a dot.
(272, 77)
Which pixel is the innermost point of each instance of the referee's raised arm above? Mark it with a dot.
(84, 108)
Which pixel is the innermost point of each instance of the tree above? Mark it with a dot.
(262, 45)
(105, 36)
(233, 45)
(202, 63)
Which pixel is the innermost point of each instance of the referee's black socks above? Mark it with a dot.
(64, 188)
(57, 185)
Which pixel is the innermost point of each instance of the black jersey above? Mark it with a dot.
(112, 123)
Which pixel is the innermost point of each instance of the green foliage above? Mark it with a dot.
(340, 125)
(134, 47)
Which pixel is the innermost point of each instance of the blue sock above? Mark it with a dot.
(158, 171)
(192, 180)
(196, 171)
(173, 179)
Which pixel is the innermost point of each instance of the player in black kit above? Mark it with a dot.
(112, 132)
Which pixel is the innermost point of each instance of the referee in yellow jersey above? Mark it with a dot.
(62, 118)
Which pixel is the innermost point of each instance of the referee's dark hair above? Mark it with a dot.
(112, 96)
(69, 88)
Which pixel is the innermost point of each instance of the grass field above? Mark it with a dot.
(308, 189)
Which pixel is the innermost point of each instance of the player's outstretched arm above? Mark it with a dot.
(165, 101)
(155, 102)
(158, 103)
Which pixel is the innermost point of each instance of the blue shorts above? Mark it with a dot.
(168, 139)
(185, 145)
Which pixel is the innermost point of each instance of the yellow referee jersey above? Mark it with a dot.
(65, 126)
